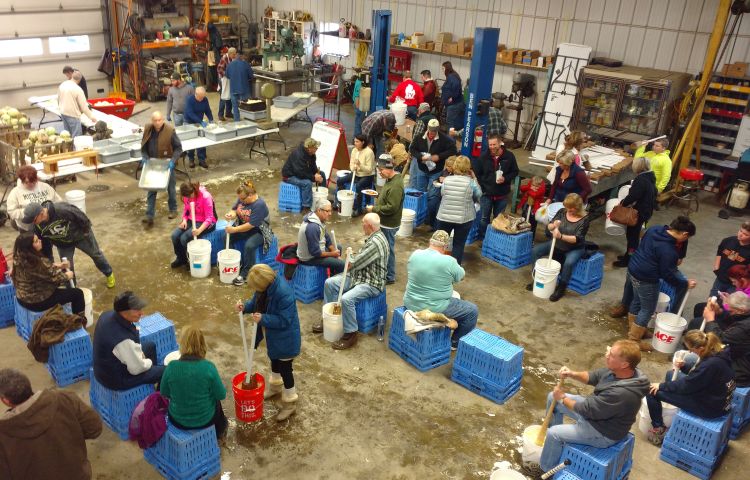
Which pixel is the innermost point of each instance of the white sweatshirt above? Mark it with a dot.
(20, 196)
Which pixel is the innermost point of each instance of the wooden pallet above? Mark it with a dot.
(88, 157)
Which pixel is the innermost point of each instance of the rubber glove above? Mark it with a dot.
(203, 124)
(143, 161)
(171, 165)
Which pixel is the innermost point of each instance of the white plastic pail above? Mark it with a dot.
(545, 277)
(346, 199)
(199, 256)
(407, 223)
(88, 297)
(77, 198)
(668, 332)
(623, 192)
(229, 265)
(611, 227)
(319, 193)
(333, 325)
(531, 451)
(399, 111)
(661, 306)
(668, 411)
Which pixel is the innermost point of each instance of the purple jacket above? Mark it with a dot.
(149, 420)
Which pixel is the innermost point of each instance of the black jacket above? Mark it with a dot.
(736, 335)
(443, 146)
(642, 195)
(300, 164)
(484, 168)
(66, 225)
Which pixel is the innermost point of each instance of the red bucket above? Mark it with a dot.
(248, 404)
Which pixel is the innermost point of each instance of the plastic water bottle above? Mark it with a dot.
(381, 328)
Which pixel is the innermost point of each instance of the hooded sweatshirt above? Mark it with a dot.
(45, 437)
(20, 196)
(66, 224)
(611, 409)
(736, 336)
(312, 238)
(656, 257)
(660, 163)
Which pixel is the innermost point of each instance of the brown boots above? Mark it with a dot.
(637, 333)
(618, 311)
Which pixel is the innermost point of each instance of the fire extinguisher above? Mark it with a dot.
(477, 148)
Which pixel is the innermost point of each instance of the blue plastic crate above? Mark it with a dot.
(422, 363)
(70, 361)
(737, 429)
(269, 257)
(7, 304)
(156, 328)
(498, 393)
(741, 404)
(691, 463)
(416, 200)
(568, 475)
(670, 290)
(585, 288)
(474, 232)
(589, 270)
(217, 237)
(369, 312)
(186, 454)
(290, 198)
(591, 463)
(308, 282)
(489, 357)
(25, 319)
(116, 406)
(699, 436)
(511, 251)
(428, 343)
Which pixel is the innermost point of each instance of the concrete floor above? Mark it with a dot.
(362, 413)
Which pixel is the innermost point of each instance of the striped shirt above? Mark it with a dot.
(371, 263)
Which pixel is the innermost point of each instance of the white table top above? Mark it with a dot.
(281, 115)
(119, 126)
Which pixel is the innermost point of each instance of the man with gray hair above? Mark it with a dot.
(160, 141)
(389, 206)
(196, 107)
(314, 245)
(43, 434)
(429, 286)
(365, 279)
(72, 104)
(301, 170)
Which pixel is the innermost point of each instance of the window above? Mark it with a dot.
(22, 47)
(330, 44)
(78, 43)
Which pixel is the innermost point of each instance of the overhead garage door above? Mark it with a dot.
(37, 39)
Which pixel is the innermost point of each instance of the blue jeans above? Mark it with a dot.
(249, 252)
(645, 298)
(305, 188)
(349, 299)
(335, 265)
(88, 245)
(390, 235)
(236, 99)
(461, 233)
(359, 115)
(567, 259)
(180, 239)
(422, 181)
(379, 143)
(679, 294)
(150, 376)
(72, 125)
(225, 108)
(465, 314)
(559, 434)
(455, 115)
(171, 198)
(179, 119)
(490, 209)
(411, 112)
(201, 155)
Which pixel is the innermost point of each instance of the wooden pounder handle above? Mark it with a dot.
(545, 424)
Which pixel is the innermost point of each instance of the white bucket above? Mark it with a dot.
(407, 223)
(380, 181)
(333, 325)
(531, 452)
(229, 265)
(199, 256)
(545, 277)
(611, 227)
(346, 199)
(319, 193)
(668, 332)
(668, 411)
(506, 475)
(661, 306)
(77, 198)
(88, 297)
(623, 192)
(399, 111)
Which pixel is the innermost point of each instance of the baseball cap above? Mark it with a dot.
(385, 161)
(30, 212)
(440, 237)
(128, 301)
(433, 124)
(423, 107)
(311, 142)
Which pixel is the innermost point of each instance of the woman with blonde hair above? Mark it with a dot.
(457, 212)
(251, 216)
(193, 386)
(706, 391)
(569, 178)
(274, 308)
(642, 197)
(569, 226)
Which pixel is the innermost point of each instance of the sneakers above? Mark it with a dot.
(239, 281)
(559, 292)
(192, 164)
(318, 327)
(111, 280)
(656, 435)
(172, 215)
(178, 262)
(346, 342)
(532, 469)
(148, 221)
(454, 346)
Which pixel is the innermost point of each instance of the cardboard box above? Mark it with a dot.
(499, 57)
(737, 69)
(465, 45)
(445, 37)
(394, 38)
(437, 46)
(549, 60)
(451, 48)
(501, 47)
(430, 46)
(534, 53)
(511, 55)
(418, 40)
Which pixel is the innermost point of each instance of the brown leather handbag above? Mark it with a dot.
(624, 215)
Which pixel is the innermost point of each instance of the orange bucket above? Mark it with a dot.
(248, 404)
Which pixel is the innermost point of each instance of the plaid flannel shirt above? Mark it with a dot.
(221, 68)
(378, 122)
(371, 263)
(495, 123)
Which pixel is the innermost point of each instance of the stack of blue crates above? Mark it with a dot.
(588, 274)
(740, 411)
(416, 200)
(186, 454)
(218, 238)
(511, 251)
(474, 232)
(70, 361)
(667, 288)
(488, 365)
(308, 282)
(116, 406)
(696, 444)
(156, 328)
(431, 349)
(290, 198)
(591, 463)
(25, 319)
(7, 305)
(369, 312)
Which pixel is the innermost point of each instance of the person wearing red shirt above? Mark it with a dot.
(411, 92)
(429, 88)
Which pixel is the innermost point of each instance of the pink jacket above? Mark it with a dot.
(204, 208)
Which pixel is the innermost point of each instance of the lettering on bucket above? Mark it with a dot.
(230, 270)
(248, 408)
(664, 337)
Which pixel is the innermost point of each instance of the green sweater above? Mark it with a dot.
(193, 387)
(390, 202)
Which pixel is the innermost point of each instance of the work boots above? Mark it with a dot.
(318, 327)
(274, 386)
(347, 341)
(289, 399)
(622, 262)
(636, 334)
(618, 311)
(559, 291)
(631, 320)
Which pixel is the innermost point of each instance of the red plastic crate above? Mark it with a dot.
(123, 111)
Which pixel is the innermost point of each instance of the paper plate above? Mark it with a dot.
(370, 192)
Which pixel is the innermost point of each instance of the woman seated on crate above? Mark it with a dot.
(706, 391)
(568, 228)
(569, 178)
(362, 163)
(252, 227)
(205, 220)
(193, 386)
(28, 189)
(41, 284)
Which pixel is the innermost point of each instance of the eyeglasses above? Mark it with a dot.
(328, 211)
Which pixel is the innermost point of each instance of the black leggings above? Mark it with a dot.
(285, 368)
(60, 296)
(219, 421)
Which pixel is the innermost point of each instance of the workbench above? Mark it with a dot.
(119, 126)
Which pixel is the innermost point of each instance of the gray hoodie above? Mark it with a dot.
(612, 408)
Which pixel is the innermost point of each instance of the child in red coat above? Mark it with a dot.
(533, 195)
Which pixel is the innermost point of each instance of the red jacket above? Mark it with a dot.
(410, 91)
(429, 90)
(535, 193)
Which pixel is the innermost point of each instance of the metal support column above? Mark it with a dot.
(381, 49)
(480, 83)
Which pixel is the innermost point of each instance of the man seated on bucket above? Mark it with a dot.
(365, 279)
(121, 361)
(429, 286)
(314, 245)
(301, 170)
(603, 418)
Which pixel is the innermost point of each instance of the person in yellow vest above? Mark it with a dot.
(659, 160)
